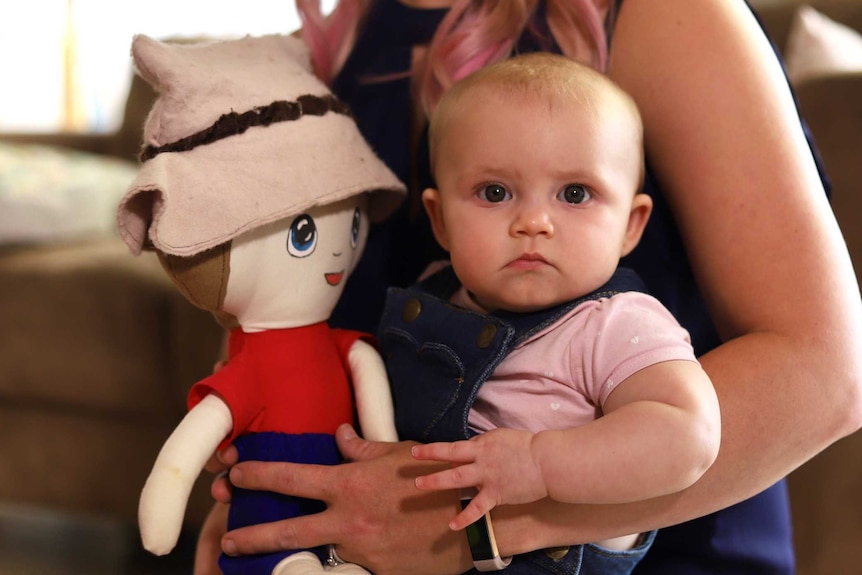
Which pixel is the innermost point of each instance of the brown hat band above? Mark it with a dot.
(234, 123)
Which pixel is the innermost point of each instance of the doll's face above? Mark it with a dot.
(291, 273)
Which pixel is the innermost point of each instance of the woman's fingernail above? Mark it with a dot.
(229, 547)
(235, 476)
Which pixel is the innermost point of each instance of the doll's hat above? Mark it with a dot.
(242, 134)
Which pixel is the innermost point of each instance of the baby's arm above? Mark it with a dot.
(181, 460)
(659, 434)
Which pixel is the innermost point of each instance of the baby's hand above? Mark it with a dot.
(499, 463)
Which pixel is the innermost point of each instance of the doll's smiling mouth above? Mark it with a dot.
(334, 278)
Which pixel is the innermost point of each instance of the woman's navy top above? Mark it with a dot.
(752, 537)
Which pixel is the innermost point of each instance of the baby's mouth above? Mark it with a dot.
(528, 261)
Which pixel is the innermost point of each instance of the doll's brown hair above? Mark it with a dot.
(202, 279)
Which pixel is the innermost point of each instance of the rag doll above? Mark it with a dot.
(256, 190)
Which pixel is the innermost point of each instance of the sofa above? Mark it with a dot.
(98, 349)
(826, 492)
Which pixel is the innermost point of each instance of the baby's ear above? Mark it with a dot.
(638, 217)
(434, 208)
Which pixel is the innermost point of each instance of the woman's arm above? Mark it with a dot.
(723, 138)
(725, 143)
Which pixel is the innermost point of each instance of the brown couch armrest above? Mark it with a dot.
(832, 106)
(777, 18)
(825, 493)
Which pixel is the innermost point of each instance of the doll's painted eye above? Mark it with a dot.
(302, 237)
(354, 231)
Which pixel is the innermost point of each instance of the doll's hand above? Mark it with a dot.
(498, 462)
(375, 515)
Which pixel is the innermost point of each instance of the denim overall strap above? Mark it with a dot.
(438, 355)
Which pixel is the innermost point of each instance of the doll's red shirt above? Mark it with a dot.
(291, 381)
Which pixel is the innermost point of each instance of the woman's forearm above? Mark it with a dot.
(758, 448)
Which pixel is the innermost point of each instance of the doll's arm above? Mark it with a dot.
(182, 458)
(371, 388)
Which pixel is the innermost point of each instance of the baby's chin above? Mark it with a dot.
(520, 305)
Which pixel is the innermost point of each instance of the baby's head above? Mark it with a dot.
(538, 161)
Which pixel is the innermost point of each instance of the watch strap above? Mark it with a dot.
(483, 543)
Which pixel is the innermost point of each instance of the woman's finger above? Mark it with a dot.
(355, 448)
(299, 479)
(302, 532)
(221, 488)
(222, 460)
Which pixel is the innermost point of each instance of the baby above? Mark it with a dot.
(559, 375)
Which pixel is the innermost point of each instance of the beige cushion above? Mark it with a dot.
(818, 45)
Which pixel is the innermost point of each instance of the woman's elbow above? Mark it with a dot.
(839, 387)
(847, 413)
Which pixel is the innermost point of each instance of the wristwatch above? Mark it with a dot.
(480, 536)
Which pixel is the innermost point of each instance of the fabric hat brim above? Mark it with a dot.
(183, 203)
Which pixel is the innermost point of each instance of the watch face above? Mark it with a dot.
(482, 545)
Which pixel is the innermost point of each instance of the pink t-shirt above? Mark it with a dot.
(560, 377)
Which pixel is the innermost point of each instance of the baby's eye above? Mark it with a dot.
(575, 194)
(302, 237)
(494, 193)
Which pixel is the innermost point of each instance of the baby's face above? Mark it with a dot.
(534, 201)
(292, 272)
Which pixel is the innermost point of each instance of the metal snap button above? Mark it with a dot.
(486, 336)
(411, 310)
(557, 553)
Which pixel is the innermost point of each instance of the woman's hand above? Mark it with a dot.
(215, 525)
(209, 541)
(375, 515)
(219, 464)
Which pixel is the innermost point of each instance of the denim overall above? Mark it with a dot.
(438, 356)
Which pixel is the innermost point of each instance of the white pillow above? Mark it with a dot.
(52, 194)
(818, 45)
